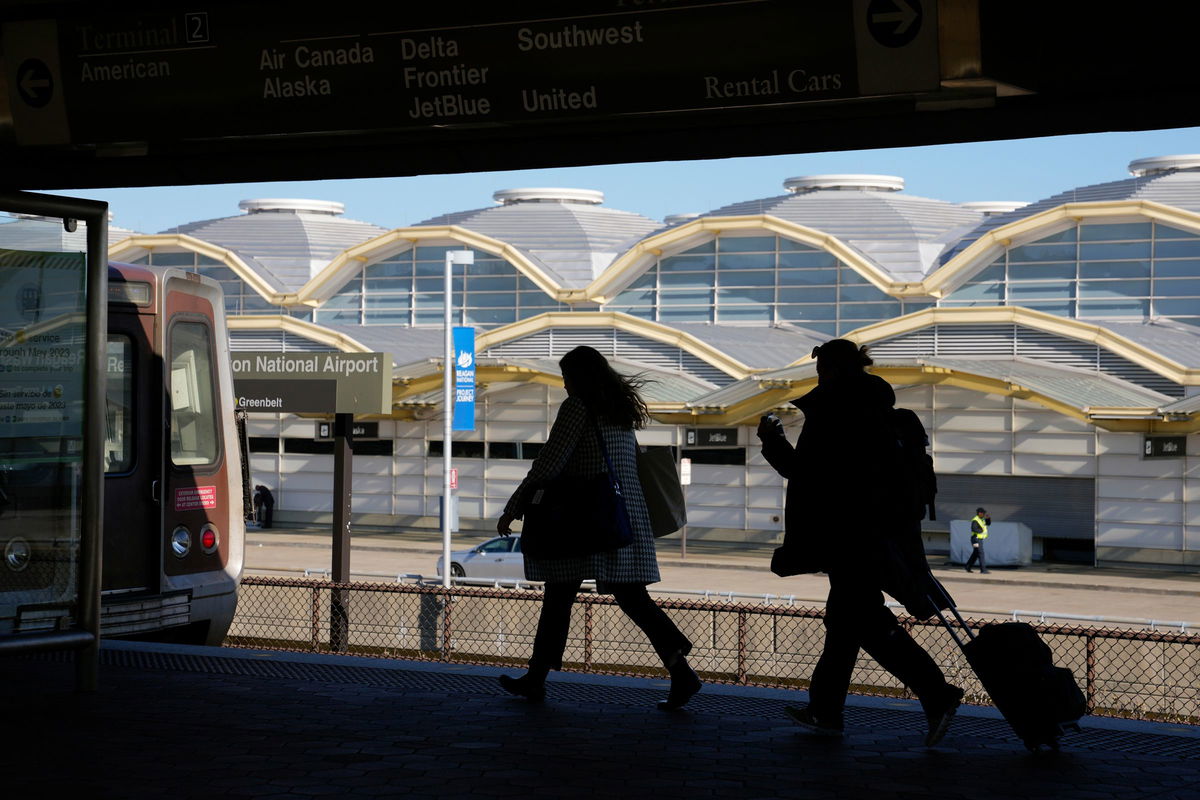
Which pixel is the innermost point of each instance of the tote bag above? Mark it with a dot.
(661, 488)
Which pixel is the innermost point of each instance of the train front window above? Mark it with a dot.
(118, 406)
(193, 397)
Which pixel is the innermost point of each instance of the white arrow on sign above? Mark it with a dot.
(906, 16)
(29, 83)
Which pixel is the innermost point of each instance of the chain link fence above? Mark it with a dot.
(1128, 673)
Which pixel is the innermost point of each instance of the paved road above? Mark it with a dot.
(1065, 589)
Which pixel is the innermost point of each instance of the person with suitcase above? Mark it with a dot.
(979, 529)
(847, 459)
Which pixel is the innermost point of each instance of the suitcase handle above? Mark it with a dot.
(966, 629)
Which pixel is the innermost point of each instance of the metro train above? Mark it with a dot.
(175, 477)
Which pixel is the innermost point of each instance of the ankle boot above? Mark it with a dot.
(684, 683)
(531, 685)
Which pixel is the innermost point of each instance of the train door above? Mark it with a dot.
(132, 442)
(197, 501)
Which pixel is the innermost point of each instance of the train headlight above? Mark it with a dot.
(17, 554)
(181, 541)
(209, 538)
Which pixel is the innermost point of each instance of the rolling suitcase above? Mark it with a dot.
(1039, 700)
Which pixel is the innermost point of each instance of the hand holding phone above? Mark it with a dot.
(769, 425)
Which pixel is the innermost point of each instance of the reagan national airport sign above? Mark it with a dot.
(313, 383)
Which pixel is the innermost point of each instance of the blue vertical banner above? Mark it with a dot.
(464, 379)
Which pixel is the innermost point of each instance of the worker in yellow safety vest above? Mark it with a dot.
(979, 529)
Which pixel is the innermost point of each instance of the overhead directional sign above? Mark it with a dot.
(164, 72)
(358, 430)
(331, 383)
(894, 23)
(711, 437)
(1164, 447)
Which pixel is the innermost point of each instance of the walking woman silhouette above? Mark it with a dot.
(598, 398)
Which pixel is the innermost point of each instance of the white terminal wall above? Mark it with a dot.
(1142, 505)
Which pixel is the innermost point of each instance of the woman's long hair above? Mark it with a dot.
(604, 391)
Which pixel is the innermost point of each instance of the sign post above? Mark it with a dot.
(685, 479)
(448, 380)
(343, 479)
(344, 384)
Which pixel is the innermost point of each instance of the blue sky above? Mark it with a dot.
(1025, 169)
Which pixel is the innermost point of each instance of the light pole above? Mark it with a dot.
(452, 257)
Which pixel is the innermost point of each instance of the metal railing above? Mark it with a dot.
(1129, 673)
(1016, 615)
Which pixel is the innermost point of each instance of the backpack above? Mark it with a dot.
(918, 482)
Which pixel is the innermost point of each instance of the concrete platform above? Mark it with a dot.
(171, 721)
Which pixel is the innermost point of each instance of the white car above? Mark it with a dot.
(496, 558)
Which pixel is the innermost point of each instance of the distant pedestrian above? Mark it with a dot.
(264, 505)
(601, 406)
(845, 515)
(979, 532)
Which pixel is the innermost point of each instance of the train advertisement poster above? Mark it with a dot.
(42, 338)
(42, 361)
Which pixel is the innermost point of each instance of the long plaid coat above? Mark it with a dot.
(572, 449)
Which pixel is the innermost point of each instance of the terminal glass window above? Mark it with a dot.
(194, 439)
(1119, 270)
(758, 280)
(406, 289)
(239, 297)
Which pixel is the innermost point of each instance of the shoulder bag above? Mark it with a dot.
(570, 516)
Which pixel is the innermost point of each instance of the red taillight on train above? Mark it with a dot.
(209, 539)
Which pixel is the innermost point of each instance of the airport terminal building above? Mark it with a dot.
(1051, 348)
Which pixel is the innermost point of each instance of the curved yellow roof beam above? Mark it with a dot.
(984, 250)
(776, 393)
(1039, 320)
(613, 279)
(655, 331)
(138, 245)
(402, 390)
(350, 261)
(265, 322)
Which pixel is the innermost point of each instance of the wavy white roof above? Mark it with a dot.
(287, 241)
(566, 232)
(903, 235)
(30, 232)
(1170, 180)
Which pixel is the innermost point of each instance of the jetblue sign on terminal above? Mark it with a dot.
(330, 383)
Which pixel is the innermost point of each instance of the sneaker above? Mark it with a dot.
(941, 715)
(805, 718)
